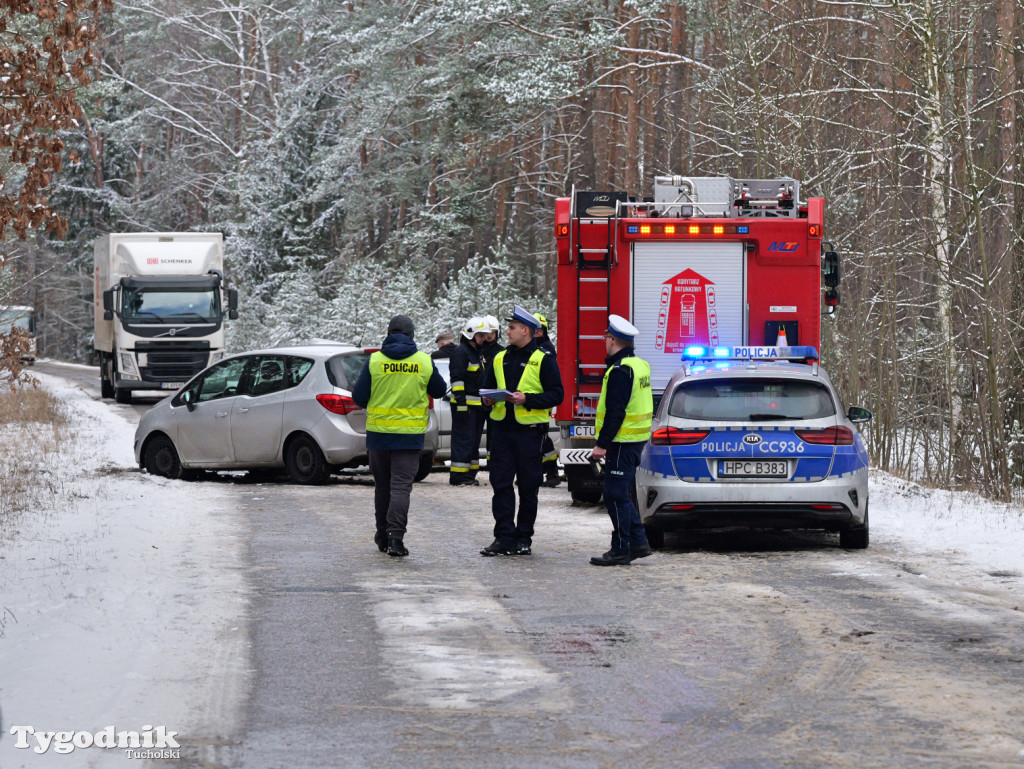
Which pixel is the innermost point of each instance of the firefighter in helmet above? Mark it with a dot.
(467, 409)
(551, 478)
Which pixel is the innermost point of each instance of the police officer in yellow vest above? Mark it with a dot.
(520, 425)
(393, 388)
(625, 411)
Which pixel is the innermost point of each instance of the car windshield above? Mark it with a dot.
(344, 370)
(150, 305)
(751, 400)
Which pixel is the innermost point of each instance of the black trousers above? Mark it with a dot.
(467, 427)
(620, 467)
(516, 454)
(393, 473)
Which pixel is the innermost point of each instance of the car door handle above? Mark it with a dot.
(221, 414)
(242, 411)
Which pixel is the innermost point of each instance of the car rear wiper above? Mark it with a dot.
(767, 417)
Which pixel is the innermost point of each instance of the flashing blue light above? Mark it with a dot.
(632, 229)
(742, 229)
(695, 353)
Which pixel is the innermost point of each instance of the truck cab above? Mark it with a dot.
(160, 306)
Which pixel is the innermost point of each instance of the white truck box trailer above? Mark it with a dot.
(159, 302)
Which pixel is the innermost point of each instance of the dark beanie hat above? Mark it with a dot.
(401, 324)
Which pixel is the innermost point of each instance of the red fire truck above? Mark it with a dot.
(711, 261)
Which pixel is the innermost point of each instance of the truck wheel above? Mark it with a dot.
(426, 462)
(106, 386)
(586, 497)
(305, 462)
(161, 458)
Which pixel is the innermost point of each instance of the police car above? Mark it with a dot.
(754, 437)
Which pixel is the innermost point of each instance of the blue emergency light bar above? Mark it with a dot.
(698, 352)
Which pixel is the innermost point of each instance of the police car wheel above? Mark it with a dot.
(305, 462)
(855, 539)
(655, 537)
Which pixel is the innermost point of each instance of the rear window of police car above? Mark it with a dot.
(751, 400)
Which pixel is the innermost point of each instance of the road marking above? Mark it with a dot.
(453, 646)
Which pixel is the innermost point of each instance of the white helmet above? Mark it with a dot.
(473, 327)
(492, 323)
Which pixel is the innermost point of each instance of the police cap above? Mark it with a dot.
(621, 328)
(519, 315)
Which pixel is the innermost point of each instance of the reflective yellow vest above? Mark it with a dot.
(529, 383)
(636, 426)
(398, 393)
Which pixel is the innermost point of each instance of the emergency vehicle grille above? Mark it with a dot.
(174, 365)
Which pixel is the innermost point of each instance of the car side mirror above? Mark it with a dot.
(188, 398)
(856, 414)
(108, 304)
(830, 269)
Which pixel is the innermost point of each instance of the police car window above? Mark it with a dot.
(297, 369)
(746, 400)
(344, 370)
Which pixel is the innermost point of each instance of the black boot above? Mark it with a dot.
(396, 548)
(640, 551)
(497, 547)
(612, 558)
(380, 539)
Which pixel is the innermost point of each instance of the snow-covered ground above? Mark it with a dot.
(124, 605)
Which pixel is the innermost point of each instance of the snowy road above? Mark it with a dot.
(260, 622)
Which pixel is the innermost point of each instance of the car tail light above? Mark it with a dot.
(430, 404)
(830, 436)
(338, 404)
(673, 436)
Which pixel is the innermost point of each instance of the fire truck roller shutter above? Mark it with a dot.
(686, 294)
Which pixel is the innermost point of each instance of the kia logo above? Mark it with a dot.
(753, 439)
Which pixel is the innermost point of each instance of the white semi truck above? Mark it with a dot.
(159, 301)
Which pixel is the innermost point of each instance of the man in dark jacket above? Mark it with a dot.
(520, 424)
(467, 409)
(393, 388)
(445, 342)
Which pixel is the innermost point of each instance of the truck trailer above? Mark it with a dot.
(159, 303)
(711, 261)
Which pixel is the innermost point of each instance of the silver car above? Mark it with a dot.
(289, 407)
(754, 445)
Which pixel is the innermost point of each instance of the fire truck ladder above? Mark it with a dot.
(594, 265)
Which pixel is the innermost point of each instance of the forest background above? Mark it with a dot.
(369, 157)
